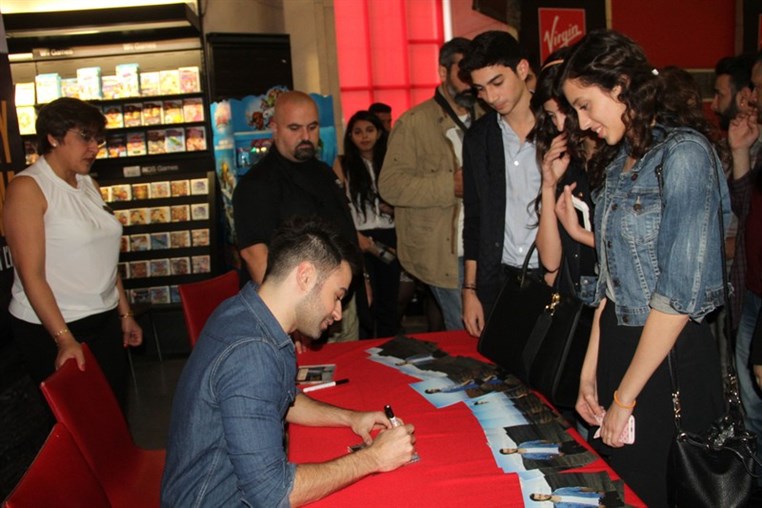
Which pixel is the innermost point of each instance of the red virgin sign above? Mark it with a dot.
(559, 28)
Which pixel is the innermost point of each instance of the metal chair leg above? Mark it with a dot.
(155, 335)
(132, 370)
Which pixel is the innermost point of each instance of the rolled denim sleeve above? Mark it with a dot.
(252, 409)
(688, 248)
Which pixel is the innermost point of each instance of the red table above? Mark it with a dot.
(456, 467)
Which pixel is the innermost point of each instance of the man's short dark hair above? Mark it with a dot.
(455, 46)
(309, 239)
(494, 47)
(379, 107)
(738, 68)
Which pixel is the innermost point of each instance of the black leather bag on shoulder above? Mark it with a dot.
(716, 467)
(539, 335)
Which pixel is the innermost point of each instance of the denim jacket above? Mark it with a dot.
(225, 445)
(662, 250)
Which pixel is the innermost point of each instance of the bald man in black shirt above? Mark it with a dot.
(290, 181)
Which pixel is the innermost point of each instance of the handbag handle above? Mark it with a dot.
(525, 264)
(525, 269)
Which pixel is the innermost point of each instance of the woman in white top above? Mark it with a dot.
(357, 169)
(65, 246)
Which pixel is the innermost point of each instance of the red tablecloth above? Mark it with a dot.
(456, 467)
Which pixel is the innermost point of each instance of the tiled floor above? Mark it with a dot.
(150, 402)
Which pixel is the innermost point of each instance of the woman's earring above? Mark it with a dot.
(54, 145)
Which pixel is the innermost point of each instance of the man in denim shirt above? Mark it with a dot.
(238, 388)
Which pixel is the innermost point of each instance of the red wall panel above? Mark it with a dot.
(387, 52)
(352, 43)
(388, 43)
(692, 34)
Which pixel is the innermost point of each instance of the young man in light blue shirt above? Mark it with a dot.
(501, 177)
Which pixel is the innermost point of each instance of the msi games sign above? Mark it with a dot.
(559, 28)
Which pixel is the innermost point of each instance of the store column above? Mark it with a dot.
(310, 25)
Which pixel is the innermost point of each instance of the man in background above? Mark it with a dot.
(422, 178)
(384, 113)
(746, 272)
(732, 88)
(288, 182)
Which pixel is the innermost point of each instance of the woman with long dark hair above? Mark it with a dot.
(658, 242)
(358, 170)
(565, 240)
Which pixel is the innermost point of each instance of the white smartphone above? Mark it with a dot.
(584, 212)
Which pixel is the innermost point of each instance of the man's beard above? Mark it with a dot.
(464, 99)
(309, 314)
(728, 115)
(304, 151)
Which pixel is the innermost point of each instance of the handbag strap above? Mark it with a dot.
(676, 408)
(525, 264)
(447, 108)
(731, 377)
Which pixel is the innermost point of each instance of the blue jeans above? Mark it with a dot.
(450, 302)
(750, 394)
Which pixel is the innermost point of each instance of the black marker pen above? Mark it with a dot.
(396, 423)
(390, 414)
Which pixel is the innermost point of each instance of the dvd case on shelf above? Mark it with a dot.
(179, 188)
(179, 266)
(201, 264)
(179, 239)
(160, 190)
(141, 191)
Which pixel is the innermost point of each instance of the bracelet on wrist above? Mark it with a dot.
(619, 403)
(126, 314)
(59, 333)
(469, 287)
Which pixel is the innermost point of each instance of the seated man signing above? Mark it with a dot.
(237, 390)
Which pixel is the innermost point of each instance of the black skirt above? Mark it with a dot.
(643, 465)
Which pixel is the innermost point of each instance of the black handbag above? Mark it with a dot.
(716, 467)
(539, 335)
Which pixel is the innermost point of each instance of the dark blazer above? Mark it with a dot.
(484, 201)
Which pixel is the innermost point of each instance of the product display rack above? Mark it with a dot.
(46, 43)
(156, 236)
(163, 56)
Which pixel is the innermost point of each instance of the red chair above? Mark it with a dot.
(199, 300)
(84, 403)
(58, 476)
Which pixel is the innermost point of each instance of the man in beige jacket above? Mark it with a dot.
(422, 178)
